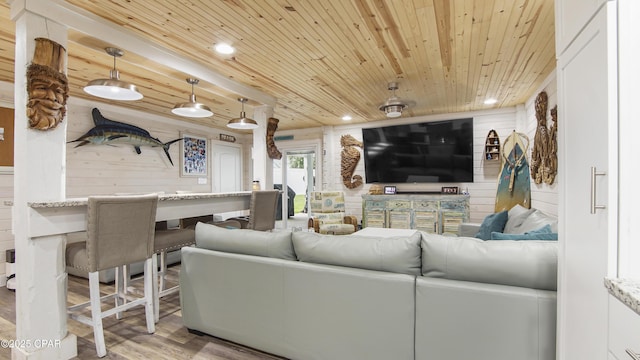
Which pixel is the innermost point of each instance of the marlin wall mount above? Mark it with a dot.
(110, 132)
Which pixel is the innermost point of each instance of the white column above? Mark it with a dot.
(39, 174)
(262, 163)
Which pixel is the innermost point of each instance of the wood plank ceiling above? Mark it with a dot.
(322, 59)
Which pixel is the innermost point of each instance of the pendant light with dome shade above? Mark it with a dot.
(113, 88)
(192, 108)
(394, 106)
(243, 122)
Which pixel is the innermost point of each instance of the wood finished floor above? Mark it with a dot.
(128, 338)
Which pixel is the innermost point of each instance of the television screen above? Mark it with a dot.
(429, 152)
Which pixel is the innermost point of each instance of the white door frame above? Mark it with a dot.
(292, 146)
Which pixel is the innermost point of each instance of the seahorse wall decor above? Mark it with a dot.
(350, 156)
(272, 149)
(544, 158)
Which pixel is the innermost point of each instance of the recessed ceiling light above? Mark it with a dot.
(346, 118)
(225, 49)
(490, 101)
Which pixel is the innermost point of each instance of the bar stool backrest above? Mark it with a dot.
(262, 207)
(120, 230)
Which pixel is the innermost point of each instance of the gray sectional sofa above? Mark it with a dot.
(413, 296)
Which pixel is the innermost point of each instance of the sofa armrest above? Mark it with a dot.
(350, 219)
(468, 229)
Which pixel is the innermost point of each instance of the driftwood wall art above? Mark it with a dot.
(544, 158)
(272, 149)
(552, 159)
(47, 85)
(350, 156)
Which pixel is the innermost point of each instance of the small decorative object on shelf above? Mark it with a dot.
(492, 146)
(390, 190)
(449, 190)
(375, 189)
(256, 185)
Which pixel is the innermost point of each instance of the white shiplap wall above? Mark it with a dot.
(100, 169)
(105, 170)
(482, 190)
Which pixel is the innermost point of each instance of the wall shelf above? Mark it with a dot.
(492, 146)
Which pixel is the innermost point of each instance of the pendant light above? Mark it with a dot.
(243, 122)
(113, 88)
(192, 108)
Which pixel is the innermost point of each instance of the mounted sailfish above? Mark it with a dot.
(109, 132)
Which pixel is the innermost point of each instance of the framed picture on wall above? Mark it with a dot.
(6, 140)
(194, 156)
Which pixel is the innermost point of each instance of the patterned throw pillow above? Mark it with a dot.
(330, 218)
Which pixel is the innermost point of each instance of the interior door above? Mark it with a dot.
(227, 167)
(587, 83)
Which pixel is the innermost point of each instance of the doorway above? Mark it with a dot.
(296, 174)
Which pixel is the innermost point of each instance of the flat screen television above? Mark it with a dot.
(428, 152)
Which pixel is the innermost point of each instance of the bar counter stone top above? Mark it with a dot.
(161, 197)
(625, 290)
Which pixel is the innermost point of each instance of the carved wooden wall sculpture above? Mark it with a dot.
(541, 139)
(552, 159)
(544, 157)
(47, 85)
(272, 149)
(350, 156)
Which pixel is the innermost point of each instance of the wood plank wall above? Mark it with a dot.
(106, 170)
(483, 189)
(101, 169)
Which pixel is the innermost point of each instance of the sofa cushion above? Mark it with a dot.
(523, 220)
(398, 254)
(244, 241)
(544, 233)
(516, 217)
(493, 222)
(530, 264)
(536, 220)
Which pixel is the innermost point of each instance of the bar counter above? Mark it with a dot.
(66, 216)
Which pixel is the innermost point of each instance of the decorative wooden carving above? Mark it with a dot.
(541, 140)
(552, 159)
(350, 156)
(272, 149)
(47, 85)
(544, 157)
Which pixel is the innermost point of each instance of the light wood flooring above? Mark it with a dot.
(128, 338)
